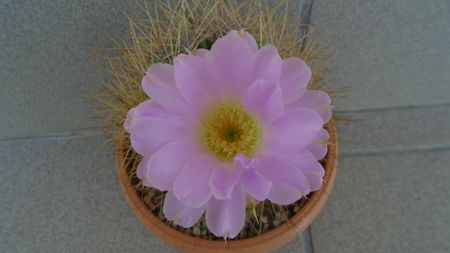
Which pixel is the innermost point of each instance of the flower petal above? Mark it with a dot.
(159, 84)
(147, 108)
(202, 52)
(295, 76)
(194, 76)
(256, 185)
(319, 146)
(223, 180)
(250, 40)
(154, 109)
(164, 165)
(227, 217)
(233, 59)
(132, 114)
(264, 100)
(148, 134)
(309, 166)
(315, 100)
(289, 184)
(292, 132)
(181, 214)
(192, 184)
(141, 170)
(268, 64)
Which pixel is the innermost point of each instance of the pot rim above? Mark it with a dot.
(265, 242)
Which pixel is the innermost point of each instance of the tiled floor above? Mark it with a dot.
(392, 191)
(59, 192)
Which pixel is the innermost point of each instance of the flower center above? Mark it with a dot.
(228, 129)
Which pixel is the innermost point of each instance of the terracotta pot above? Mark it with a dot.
(266, 242)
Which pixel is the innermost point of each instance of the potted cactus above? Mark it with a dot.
(224, 140)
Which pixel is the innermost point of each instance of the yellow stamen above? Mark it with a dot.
(228, 129)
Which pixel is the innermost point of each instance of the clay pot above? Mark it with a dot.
(266, 242)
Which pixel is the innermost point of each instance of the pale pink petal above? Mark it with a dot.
(148, 134)
(256, 185)
(264, 100)
(159, 84)
(132, 114)
(245, 162)
(154, 109)
(202, 52)
(223, 180)
(192, 184)
(293, 131)
(227, 217)
(160, 74)
(268, 65)
(233, 60)
(181, 214)
(147, 108)
(289, 184)
(284, 194)
(164, 165)
(252, 182)
(250, 40)
(309, 166)
(141, 170)
(194, 76)
(295, 76)
(142, 147)
(319, 146)
(315, 100)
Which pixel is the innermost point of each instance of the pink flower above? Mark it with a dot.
(226, 124)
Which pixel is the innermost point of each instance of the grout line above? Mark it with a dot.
(407, 107)
(54, 136)
(86, 131)
(355, 153)
(305, 13)
(396, 151)
(307, 237)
